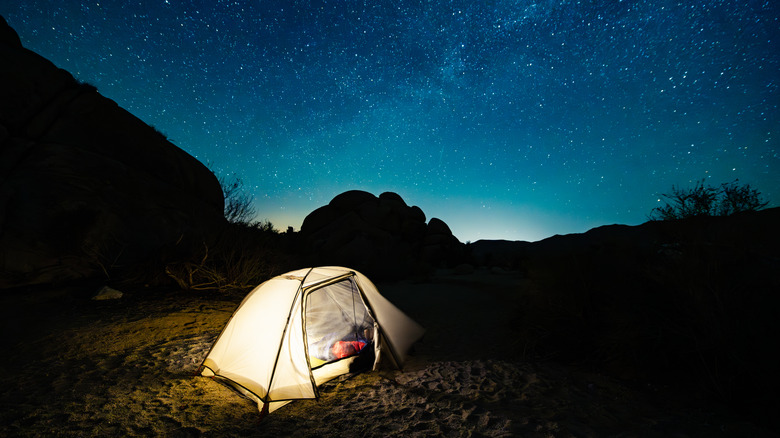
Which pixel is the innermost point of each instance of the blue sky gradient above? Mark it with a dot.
(507, 119)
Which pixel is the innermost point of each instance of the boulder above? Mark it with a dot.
(87, 188)
(380, 236)
(8, 36)
(416, 214)
(319, 219)
(392, 197)
(107, 293)
(438, 227)
(351, 199)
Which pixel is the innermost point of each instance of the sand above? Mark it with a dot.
(77, 367)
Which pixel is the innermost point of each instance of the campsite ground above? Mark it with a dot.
(77, 367)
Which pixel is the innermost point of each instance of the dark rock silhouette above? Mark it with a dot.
(85, 186)
(380, 236)
(691, 303)
(754, 229)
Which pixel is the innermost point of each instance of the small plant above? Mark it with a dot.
(245, 253)
(265, 226)
(238, 204)
(83, 86)
(160, 133)
(241, 257)
(86, 86)
(736, 198)
(705, 200)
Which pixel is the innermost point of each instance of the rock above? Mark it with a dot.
(87, 187)
(319, 218)
(381, 236)
(504, 253)
(392, 197)
(107, 293)
(351, 199)
(8, 36)
(416, 214)
(437, 226)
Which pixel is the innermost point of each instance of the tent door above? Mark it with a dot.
(337, 324)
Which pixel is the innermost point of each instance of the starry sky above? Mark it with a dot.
(507, 119)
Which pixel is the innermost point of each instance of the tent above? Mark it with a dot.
(300, 329)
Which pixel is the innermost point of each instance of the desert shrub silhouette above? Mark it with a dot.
(238, 204)
(244, 254)
(706, 200)
(240, 258)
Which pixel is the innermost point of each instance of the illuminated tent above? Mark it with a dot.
(298, 330)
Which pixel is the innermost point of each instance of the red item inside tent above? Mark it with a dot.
(343, 349)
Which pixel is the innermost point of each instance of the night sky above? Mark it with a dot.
(507, 119)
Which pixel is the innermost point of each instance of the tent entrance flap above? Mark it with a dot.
(337, 323)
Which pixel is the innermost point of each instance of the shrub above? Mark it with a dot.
(241, 257)
(245, 253)
(705, 200)
(238, 204)
(736, 198)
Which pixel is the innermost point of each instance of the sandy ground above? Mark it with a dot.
(77, 367)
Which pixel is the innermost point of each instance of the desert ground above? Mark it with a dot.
(74, 366)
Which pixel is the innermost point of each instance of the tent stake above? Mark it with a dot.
(264, 411)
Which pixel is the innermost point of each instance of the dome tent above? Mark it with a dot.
(300, 329)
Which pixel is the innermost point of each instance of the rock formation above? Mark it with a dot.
(381, 236)
(86, 187)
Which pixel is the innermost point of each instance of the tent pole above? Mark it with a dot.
(267, 398)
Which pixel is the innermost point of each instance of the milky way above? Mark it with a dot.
(506, 119)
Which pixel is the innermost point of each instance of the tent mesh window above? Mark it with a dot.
(338, 324)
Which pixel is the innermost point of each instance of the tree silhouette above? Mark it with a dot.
(238, 204)
(705, 200)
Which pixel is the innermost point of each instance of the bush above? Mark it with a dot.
(241, 257)
(245, 253)
(736, 198)
(705, 200)
(238, 204)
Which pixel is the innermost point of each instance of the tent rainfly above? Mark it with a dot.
(300, 329)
